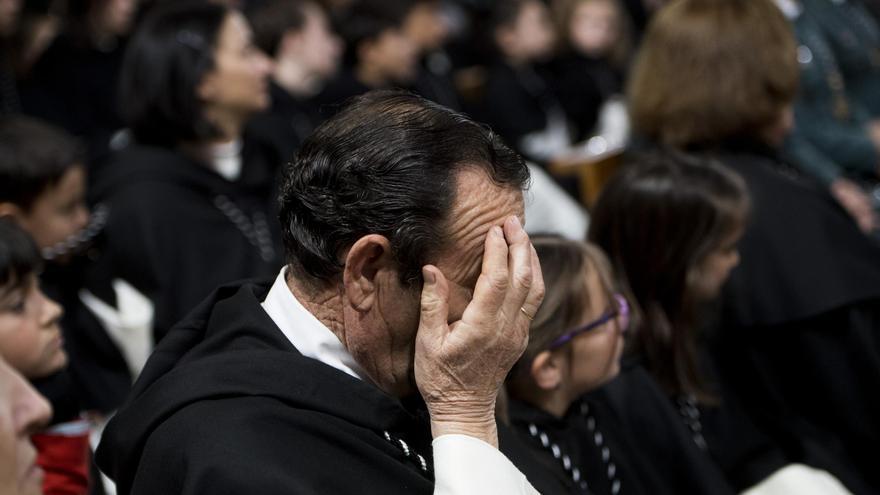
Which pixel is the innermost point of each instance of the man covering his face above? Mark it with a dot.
(373, 362)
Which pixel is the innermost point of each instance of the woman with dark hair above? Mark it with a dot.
(798, 330)
(189, 198)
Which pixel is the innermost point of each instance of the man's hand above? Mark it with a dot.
(460, 367)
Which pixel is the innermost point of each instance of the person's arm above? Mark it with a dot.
(460, 367)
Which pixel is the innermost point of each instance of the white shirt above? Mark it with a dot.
(463, 465)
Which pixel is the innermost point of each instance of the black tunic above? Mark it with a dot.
(584, 84)
(593, 443)
(798, 340)
(226, 405)
(657, 432)
(176, 230)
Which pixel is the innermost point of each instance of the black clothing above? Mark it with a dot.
(73, 85)
(226, 405)
(584, 84)
(593, 443)
(656, 430)
(798, 337)
(286, 124)
(519, 101)
(434, 80)
(177, 230)
(339, 90)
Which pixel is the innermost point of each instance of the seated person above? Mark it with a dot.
(406, 299)
(806, 293)
(575, 344)
(428, 26)
(520, 102)
(378, 53)
(589, 72)
(305, 53)
(191, 198)
(22, 412)
(31, 342)
(43, 191)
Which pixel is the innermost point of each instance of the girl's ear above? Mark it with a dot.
(548, 369)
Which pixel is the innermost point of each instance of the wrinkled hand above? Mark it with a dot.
(460, 367)
(856, 202)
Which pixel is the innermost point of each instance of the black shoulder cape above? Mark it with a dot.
(226, 405)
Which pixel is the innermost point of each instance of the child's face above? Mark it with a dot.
(595, 355)
(710, 276)
(59, 212)
(30, 339)
(594, 27)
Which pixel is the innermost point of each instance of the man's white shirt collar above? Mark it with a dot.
(310, 337)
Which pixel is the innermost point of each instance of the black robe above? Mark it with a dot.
(576, 437)
(173, 236)
(799, 334)
(226, 405)
(657, 433)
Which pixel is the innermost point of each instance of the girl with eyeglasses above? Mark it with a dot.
(575, 344)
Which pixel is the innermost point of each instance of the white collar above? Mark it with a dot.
(310, 337)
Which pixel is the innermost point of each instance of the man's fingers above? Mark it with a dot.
(434, 300)
(536, 292)
(519, 266)
(494, 280)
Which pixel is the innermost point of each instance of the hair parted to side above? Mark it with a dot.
(19, 256)
(565, 264)
(386, 164)
(164, 64)
(34, 156)
(713, 70)
(658, 219)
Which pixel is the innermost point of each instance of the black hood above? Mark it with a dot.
(229, 347)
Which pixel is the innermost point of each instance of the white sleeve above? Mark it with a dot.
(800, 479)
(465, 465)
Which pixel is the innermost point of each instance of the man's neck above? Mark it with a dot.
(324, 303)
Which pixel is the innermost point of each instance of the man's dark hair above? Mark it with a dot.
(19, 257)
(271, 19)
(33, 156)
(386, 164)
(164, 64)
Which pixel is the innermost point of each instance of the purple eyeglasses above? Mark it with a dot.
(622, 311)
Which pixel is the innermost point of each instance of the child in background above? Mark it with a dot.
(31, 342)
(520, 102)
(591, 68)
(671, 224)
(575, 343)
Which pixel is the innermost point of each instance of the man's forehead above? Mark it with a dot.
(479, 205)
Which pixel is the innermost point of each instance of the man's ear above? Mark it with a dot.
(365, 260)
(548, 369)
(10, 210)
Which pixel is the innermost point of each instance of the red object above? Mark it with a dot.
(63, 454)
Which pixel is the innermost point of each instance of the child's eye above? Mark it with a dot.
(16, 307)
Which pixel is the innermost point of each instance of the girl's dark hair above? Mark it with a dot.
(19, 256)
(565, 264)
(164, 64)
(658, 219)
